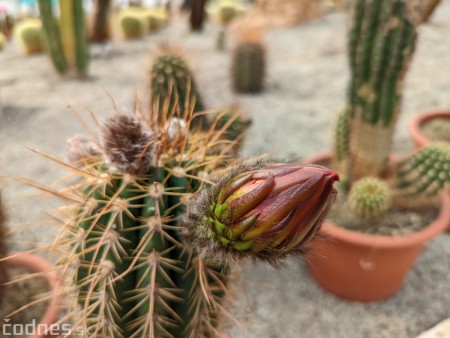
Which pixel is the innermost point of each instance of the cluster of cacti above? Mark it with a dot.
(425, 173)
(132, 24)
(248, 65)
(198, 14)
(3, 251)
(66, 40)
(369, 197)
(29, 36)
(381, 45)
(140, 247)
(172, 86)
(101, 26)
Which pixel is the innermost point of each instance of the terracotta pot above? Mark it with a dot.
(35, 264)
(416, 124)
(364, 267)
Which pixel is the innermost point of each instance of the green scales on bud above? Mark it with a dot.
(425, 173)
(262, 210)
(369, 197)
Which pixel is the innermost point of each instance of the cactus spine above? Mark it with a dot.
(129, 265)
(425, 173)
(172, 82)
(369, 197)
(29, 36)
(67, 45)
(248, 66)
(381, 45)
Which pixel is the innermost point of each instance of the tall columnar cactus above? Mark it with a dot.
(172, 82)
(369, 197)
(101, 26)
(425, 173)
(29, 35)
(67, 41)
(248, 66)
(198, 14)
(146, 216)
(381, 45)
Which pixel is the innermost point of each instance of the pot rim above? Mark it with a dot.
(37, 264)
(416, 123)
(432, 230)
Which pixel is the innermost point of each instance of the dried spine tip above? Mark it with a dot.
(369, 197)
(129, 145)
(266, 211)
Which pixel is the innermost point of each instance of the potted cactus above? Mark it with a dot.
(155, 223)
(366, 259)
(429, 127)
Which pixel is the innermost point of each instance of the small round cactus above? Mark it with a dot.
(369, 197)
(132, 24)
(29, 36)
(156, 19)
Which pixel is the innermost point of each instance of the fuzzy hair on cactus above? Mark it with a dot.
(249, 65)
(173, 87)
(425, 173)
(262, 210)
(381, 45)
(29, 35)
(369, 197)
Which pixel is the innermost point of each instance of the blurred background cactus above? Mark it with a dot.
(132, 24)
(369, 197)
(29, 36)
(67, 41)
(101, 24)
(226, 11)
(248, 67)
(3, 41)
(198, 14)
(428, 8)
(6, 24)
(172, 82)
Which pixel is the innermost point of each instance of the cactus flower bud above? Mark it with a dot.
(263, 210)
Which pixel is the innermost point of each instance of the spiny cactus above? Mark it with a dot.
(381, 45)
(136, 207)
(437, 129)
(425, 173)
(248, 66)
(369, 197)
(132, 24)
(29, 35)
(172, 82)
(341, 135)
(67, 41)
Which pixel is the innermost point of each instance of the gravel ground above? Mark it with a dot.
(307, 75)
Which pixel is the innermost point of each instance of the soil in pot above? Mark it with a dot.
(437, 129)
(395, 222)
(19, 294)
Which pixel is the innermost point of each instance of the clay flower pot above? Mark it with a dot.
(416, 124)
(364, 267)
(35, 264)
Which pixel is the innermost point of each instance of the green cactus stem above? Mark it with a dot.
(426, 173)
(248, 67)
(173, 87)
(381, 45)
(369, 197)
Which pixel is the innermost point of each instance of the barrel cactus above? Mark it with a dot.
(369, 197)
(132, 24)
(172, 84)
(248, 66)
(156, 18)
(425, 173)
(29, 35)
(139, 237)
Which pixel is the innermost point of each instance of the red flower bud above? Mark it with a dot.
(264, 210)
